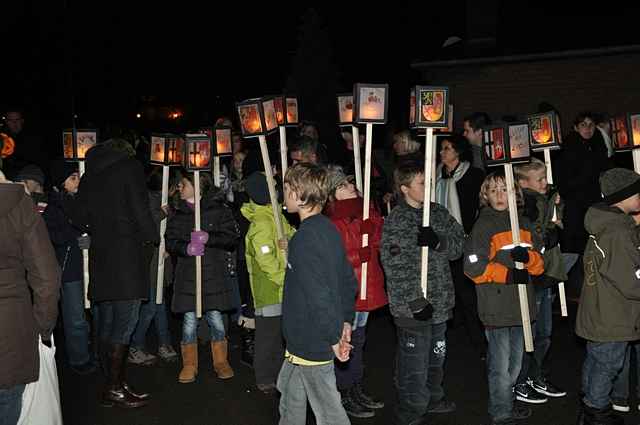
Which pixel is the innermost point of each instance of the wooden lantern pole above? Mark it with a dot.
(196, 186)
(367, 200)
(515, 235)
(355, 131)
(272, 187)
(429, 192)
(163, 229)
(216, 170)
(283, 152)
(561, 291)
(85, 252)
(636, 160)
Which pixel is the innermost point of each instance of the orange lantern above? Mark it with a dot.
(544, 131)
(198, 152)
(345, 109)
(7, 145)
(429, 107)
(370, 103)
(77, 142)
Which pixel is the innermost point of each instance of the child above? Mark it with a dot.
(609, 309)
(421, 322)
(318, 304)
(489, 259)
(215, 243)
(266, 263)
(543, 208)
(345, 211)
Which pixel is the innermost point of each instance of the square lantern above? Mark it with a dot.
(345, 109)
(544, 131)
(429, 107)
(76, 149)
(251, 118)
(166, 149)
(197, 152)
(269, 113)
(281, 116)
(506, 144)
(222, 145)
(370, 103)
(634, 129)
(292, 114)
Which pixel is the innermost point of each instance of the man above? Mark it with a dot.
(474, 124)
(29, 148)
(304, 149)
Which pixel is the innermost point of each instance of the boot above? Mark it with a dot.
(117, 393)
(248, 347)
(189, 363)
(353, 408)
(605, 416)
(123, 376)
(102, 353)
(364, 399)
(220, 363)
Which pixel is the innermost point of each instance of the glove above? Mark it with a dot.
(365, 254)
(428, 237)
(552, 238)
(425, 314)
(84, 241)
(200, 237)
(195, 249)
(366, 227)
(518, 277)
(520, 254)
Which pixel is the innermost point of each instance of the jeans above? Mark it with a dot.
(11, 404)
(152, 312)
(504, 359)
(76, 327)
(269, 349)
(621, 383)
(419, 371)
(117, 320)
(532, 362)
(190, 326)
(350, 372)
(317, 384)
(603, 363)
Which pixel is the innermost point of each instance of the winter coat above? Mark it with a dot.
(113, 202)
(64, 236)
(218, 262)
(487, 261)
(609, 307)
(346, 215)
(401, 259)
(266, 263)
(29, 286)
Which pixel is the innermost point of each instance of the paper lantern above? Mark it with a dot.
(292, 115)
(75, 148)
(166, 149)
(429, 107)
(544, 131)
(634, 125)
(197, 152)
(370, 103)
(345, 109)
(257, 116)
(278, 103)
(222, 145)
(504, 144)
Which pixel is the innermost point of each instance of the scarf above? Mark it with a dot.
(446, 190)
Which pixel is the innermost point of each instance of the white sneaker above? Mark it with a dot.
(621, 406)
(140, 357)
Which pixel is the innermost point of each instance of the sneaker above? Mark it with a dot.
(526, 393)
(167, 353)
(140, 357)
(520, 412)
(365, 399)
(443, 406)
(545, 387)
(621, 405)
(355, 409)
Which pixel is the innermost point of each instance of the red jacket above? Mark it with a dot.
(346, 215)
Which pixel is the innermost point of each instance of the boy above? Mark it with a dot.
(318, 304)
(543, 208)
(489, 260)
(609, 309)
(421, 322)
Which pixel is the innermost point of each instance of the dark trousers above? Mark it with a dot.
(601, 367)
(269, 349)
(350, 373)
(467, 305)
(11, 404)
(117, 320)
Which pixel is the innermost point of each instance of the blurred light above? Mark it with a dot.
(138, 115)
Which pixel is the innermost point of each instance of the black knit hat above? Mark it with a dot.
(619, 184)
(30, 172)
(257, 188)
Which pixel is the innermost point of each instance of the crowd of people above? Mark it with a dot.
(295, 294)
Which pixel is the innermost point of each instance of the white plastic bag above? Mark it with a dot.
(41, 399)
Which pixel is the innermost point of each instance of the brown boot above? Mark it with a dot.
(116, 392)
(189, 363)
(220, 363)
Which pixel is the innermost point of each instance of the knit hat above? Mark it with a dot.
(335, 177)
(30, 172)
(257, 188)
(619, 184)
(60, 171)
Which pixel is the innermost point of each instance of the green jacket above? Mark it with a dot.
(610, 301)
(266, 263)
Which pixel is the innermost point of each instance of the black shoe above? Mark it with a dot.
(84, 369)
(526, 394)
(358, 393)
(520, 412)
(443, 406)
(353, 408)
(546, 388)
(605, 416)
(248, 347)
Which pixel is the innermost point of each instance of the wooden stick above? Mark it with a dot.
(515, 235)
(355, 131)
(196, 186)
(272, 187)
(429, 151)
(561, 292)
(388, 208)
(163, 229)
(283, 152)
(85, 256)
(636, 160)
(216, 171)
(367, 199)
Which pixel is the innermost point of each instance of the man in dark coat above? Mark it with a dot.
(113, 203)
(29, 287)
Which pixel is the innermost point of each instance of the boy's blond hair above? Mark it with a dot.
(522, 171)
(406, 142)
(495, 178)
(309, 182)
(404, 174)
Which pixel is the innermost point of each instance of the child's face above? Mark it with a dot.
(630, 205)
(186, 189)
(535, 180)
(290, 199)
(497, 196)
(72, 182)
(346, 190)
(414, 193)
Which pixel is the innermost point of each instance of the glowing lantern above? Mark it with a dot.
(429, 107)
(222, 141)
(166, 149)
(292, 113)
(198, 152)
(75, 146)
(345, 109)
(634, 123)
(370, 101)
(257, 116)
(506, 144)
(544, 131)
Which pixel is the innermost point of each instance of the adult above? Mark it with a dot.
(457, 189)
(29, 148)
(474, 125)
(304, 149)
(29, 288)
(114, 205)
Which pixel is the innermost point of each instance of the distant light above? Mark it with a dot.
(138, 115)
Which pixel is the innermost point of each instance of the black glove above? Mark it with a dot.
(428, 237)
(552, 238)
(84, 241)
(518, 277)
(520, 254)
(425, 314)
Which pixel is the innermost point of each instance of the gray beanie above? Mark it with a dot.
(335, 177)
(618, 184)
